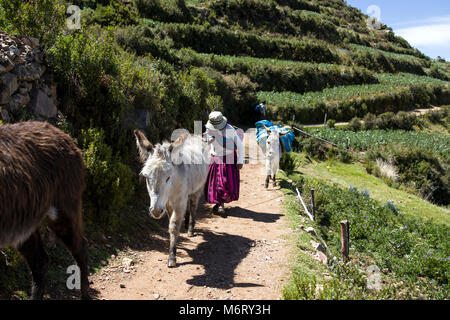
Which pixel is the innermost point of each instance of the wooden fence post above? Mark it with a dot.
(313, 205)
(345, 239)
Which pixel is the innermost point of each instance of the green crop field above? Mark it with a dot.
(372, 139)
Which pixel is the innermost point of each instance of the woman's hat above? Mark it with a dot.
(216, 121)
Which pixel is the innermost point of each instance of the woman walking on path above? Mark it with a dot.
(222, 184)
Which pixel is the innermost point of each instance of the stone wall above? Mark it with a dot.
(25, 85)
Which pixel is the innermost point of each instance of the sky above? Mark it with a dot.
(425, 24)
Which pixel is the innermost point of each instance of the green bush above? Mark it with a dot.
(143, 41)
(315, 149)
(370, 121)
(162, 10)
(400, 121)
(117, 13)
(418, 170)
(355, 124)
(437, 116)
(238, 95)
(331, 123)
(86, 68)
(42, 19)
(109, 182)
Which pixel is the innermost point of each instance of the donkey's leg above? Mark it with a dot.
(187, 216)
(193, 205)
(274, 178)
(267, 181)
(33, 252)
(67, 225)
(174, 231)
(275, 167)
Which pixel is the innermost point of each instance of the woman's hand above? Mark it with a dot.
(240, 165)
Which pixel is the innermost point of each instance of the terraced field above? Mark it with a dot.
(319, 58)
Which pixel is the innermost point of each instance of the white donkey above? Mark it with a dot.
(272, 155)
(175, 175)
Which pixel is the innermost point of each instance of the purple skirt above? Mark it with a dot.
(222, 184)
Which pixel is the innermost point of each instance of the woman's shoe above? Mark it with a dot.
(221, 209)
(215, 209)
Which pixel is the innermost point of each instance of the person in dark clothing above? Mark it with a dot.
(261, 110)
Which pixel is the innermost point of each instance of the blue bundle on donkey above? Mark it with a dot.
(286, 135)
(273, 140)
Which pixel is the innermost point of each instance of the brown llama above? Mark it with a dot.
(41, 175)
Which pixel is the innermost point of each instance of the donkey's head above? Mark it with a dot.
(158, 171)
(272, 143)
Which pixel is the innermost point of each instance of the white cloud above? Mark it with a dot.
(427, 35)
(427, 21)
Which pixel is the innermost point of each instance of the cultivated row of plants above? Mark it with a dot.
(411, 254)
(401, 120)
(375, 59)
(220, 40)
(393, 93)
(364, 140)
(279, 75)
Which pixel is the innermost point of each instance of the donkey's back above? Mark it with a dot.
(40, 167)
(41, 174)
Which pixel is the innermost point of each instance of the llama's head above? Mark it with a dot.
(158, 171)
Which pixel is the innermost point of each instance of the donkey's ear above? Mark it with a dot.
(177, 142)
(144, 146)
(267, 129)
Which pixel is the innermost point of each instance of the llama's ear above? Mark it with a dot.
(177, 142)
(267, 129)
(144, 146)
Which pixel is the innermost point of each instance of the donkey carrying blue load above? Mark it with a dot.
(273, 140)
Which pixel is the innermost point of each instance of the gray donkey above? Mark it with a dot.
(41, 175)
(175, 175)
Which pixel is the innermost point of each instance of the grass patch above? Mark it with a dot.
(411, 254)
(355, 175)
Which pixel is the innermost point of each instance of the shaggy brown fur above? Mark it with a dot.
(41, 173)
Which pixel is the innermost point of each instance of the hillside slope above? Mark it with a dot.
(314, 45)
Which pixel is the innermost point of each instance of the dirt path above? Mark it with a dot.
(242, 254)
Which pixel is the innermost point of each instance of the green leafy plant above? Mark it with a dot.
(109, 182)
(42, 19)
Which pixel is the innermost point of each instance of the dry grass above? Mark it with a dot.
(387, 169)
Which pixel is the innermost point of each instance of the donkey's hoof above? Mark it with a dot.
(86, 297)
(190, 233)
(172, 263)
